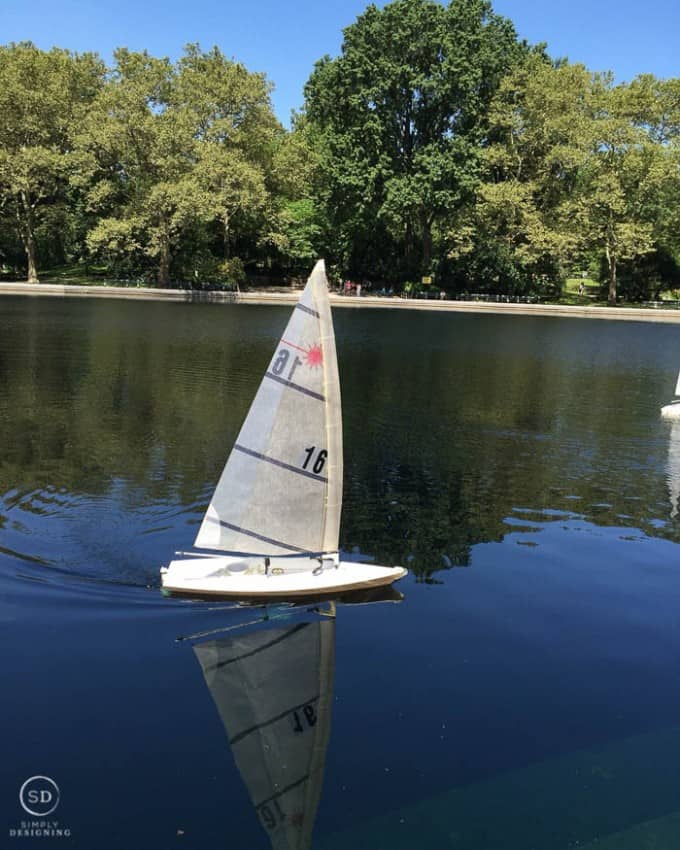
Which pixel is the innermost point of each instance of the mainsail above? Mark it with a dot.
(677, 386)
(273, 690)
(281, 490)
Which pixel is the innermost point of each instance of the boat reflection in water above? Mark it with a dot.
(673, 467)
(273, 688)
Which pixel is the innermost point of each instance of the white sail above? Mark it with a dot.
(273, 690)
(677, 386)
(281, 490)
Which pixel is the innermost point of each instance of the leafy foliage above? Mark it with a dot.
(572, 170)
(399, 117)
(436, 143)
(43, 96)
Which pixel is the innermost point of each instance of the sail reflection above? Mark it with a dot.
(673, 467)
(273, 690)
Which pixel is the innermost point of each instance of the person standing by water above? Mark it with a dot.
(358, 290)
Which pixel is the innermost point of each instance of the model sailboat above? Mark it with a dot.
(672, 410)
(273, 522)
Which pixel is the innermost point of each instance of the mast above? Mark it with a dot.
(331, 534)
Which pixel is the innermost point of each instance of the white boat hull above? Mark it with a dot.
(671, 411)
(286, 578)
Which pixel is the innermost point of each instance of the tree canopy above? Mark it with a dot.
(173, 156)
(436, 143)
(400, 116)
(43, 96)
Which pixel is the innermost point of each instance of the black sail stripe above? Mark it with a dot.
(265, 723)
(262, 537)
(282, 791)
(295, 386)
(280, 463)
(307, 310)
(288, 633)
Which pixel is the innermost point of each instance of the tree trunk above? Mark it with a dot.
(28, 238)
(426, 232)
(611, 295)
(31, 258)
(226, 235)
(164, 267)
(408, 240)
(610, 254)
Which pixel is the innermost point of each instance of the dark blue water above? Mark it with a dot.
(525, 693)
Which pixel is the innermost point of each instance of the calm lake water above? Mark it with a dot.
(524, 694)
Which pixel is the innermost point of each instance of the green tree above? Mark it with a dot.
(43, 98)
(173, 150)
(515, 236)
(654, 107)
(236, 132)
(616, 156)
(297, 223)
(572, 167)
(137, 159)
(399, 116)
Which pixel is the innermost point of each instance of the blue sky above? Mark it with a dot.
(284, 40)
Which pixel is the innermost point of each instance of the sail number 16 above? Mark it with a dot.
(315, 464)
